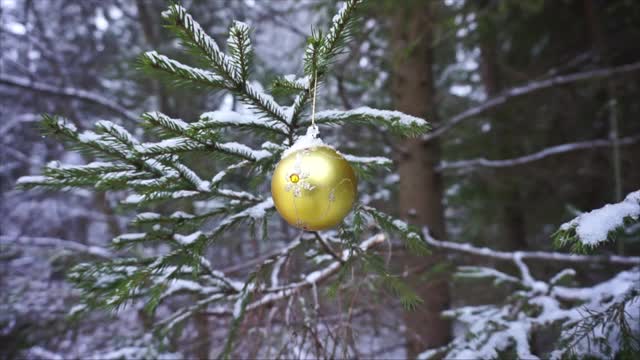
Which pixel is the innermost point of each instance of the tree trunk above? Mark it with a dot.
(420, 192)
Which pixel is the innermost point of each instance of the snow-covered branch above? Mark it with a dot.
(535, 255)
(75, 93)
(493, 329)
(599, 225)
(56, 243)
(528, 89)
(469, 165)
(592, 320)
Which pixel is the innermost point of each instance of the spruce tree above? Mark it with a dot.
(159, 170)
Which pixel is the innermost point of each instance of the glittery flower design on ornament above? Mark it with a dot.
(297, 179)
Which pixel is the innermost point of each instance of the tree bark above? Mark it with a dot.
(420, 193)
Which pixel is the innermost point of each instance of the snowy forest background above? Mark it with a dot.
(535, 115)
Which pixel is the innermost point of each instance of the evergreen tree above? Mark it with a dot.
(165, 174)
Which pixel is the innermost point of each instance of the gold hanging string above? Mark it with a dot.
(315, 90)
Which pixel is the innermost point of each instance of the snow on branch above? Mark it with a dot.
(182, 144)
(595, 325)
(376, 160)
(593, 320)
(56, 243)
(527, 89)
(599, 225)
(534, 255)
(365, 165)
(395, 121)
(485, 272)
(71, 92)
(468, 165)
(181, 73)
(228, 118)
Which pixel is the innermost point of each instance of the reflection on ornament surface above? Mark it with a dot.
(314, 188)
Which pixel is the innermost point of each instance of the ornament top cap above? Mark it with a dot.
(309, 140)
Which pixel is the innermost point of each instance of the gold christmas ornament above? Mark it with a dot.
(313, 186)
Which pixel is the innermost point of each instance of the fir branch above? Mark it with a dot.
(313, 65)
(179, 73)
(289, 84)
(99, 145)
(194, 36)
(340, 30)
(184, 144)
(170, 146)
(239, 47)
(224, 119)
(173, 126)
(395, 121)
